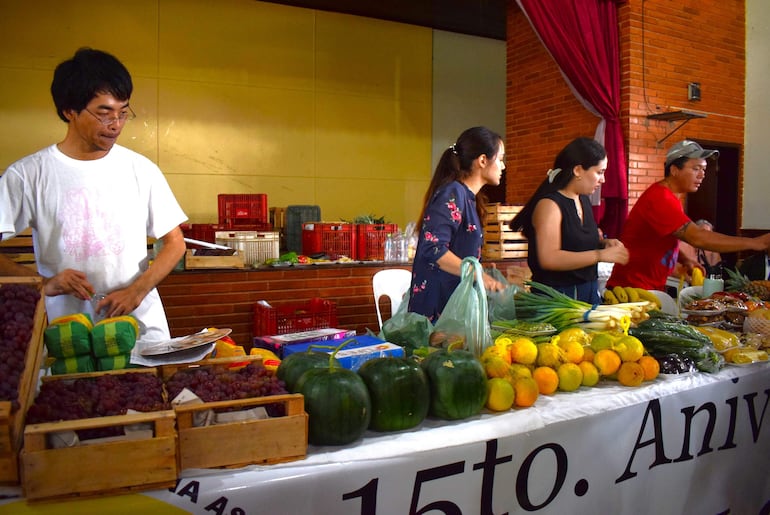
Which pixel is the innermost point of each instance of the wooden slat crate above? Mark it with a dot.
(193, 262)
(12, 422)
(504, 250)
(113, 467)
(19, 248)
(500, 242)
(246, 442)
(501, 213)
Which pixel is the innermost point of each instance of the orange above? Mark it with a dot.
(573, 350)
(526, 392)
(590, 373)
(570, 377)
(650, 366)
(607, 361)
(547, 380)
(630, 373)
(588, 354)
(523, 350)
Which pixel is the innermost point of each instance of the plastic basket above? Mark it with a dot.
(255, 247)
(243, 209)
(332, 238)
(295, 217)
(295, 317)
(370, 240)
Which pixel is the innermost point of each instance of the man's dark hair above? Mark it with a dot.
(89, 73)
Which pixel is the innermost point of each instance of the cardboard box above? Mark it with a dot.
(361, 349)
(278, 342)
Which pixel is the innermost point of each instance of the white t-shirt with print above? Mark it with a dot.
(93, 216)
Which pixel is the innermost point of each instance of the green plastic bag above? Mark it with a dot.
(409, 330)
(465, 319)
(501, 304)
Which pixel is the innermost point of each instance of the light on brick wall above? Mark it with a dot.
(693, 91)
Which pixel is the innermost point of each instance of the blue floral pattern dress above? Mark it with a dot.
(451, 223)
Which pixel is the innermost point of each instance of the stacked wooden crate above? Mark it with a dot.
(500, 242)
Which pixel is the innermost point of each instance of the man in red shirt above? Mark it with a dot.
(657, 222)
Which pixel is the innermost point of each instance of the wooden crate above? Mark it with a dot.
(504, 250)
(12, 423)
(19, 249)
(501, 213)
(246, 442)
(193, 262)
(237, 444)
(114, 467)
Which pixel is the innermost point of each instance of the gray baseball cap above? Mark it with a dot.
(690, 150)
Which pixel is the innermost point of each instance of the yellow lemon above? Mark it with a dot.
(523, 350)
(496, 367)
(573, 350)
(570, 377)
(549, 355)
(607, 361)
(601, 341)
(496, 352)
(517, 370)
(500, 394)
(590, 373)
(629, 348)
(574, 334)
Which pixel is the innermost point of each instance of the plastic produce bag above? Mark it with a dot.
(409, 330)
(501, 304)
(465, 318)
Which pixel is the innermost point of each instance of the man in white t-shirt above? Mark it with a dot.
(92, 204)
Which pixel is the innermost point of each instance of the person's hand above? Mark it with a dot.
(118, 303)
(68, 282)
(612, 242)
(492, 284)
(614, 254)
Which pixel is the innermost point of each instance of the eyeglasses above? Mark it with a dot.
(105, 119)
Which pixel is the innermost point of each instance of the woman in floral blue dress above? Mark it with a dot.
(450, 226)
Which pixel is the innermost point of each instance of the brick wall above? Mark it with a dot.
(226, 298)
(664, 46)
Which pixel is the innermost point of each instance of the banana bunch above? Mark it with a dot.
(623, 294)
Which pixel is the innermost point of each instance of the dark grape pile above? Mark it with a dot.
(210, 384)
(17, 312)
(109, 394)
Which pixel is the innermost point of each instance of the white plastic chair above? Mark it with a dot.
(394, 283)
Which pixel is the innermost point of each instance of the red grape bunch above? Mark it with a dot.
(17, 313)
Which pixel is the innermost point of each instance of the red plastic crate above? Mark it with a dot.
(239, 210)
(370, 240)
(335, 238)
(295, 317)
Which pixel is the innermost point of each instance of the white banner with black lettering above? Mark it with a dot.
(689, 445)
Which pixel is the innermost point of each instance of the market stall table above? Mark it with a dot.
(691, 444)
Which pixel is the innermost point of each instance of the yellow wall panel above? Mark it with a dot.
(42, 33)
(374, 137)
(371, 57)
(241, 96)
(238, 41)
(208, 128)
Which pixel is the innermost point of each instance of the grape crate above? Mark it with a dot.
(281, 437)
(500, 242)
(22, 322)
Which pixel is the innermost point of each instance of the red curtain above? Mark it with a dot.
(582, 37)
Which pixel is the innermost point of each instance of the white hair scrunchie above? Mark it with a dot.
(552, 173)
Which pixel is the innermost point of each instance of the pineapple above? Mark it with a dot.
(739, 282)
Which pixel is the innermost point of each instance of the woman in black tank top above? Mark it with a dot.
(565, 244)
